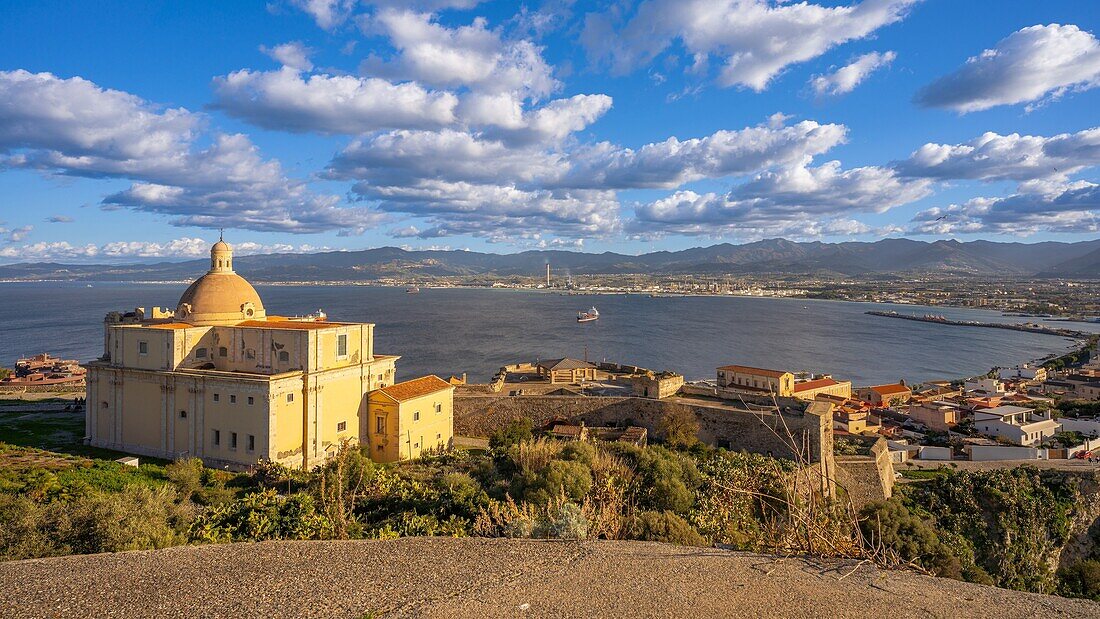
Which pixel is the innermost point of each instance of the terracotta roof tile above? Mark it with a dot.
(416, 388)
(889, 389)
(814, 384)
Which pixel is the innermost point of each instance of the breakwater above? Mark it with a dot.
(1026, 327)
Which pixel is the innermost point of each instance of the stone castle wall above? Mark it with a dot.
(764, 433)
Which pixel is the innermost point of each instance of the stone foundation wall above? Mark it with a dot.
(764, 433)
(867, 478)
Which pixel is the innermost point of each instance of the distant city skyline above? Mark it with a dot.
(135, 131)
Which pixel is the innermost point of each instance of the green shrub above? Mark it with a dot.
(517, 431)
(890, 525)
(138, 518)
(262, 516)
(573, 479)
(679, 427)
(663, 526)
(1080, 580)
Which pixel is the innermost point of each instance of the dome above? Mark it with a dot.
(221, 297)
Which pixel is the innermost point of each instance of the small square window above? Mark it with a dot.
(217, 397)
(416, 416)
(250, 354)
(223, 352)
(251, 400)
(290, 397)
(438, 407)
(232, 440)
(284, 356)
(251, 442)
(342, 426)
(416, 445)
(143, 348)
(378, 447)
(232, 399)
(183, 414)
(200, 353)
(438, 436)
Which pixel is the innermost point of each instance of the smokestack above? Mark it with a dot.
(547, 274)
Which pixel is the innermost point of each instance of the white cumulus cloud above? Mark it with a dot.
(294, 55)
(846, 78)
(753, 40)
(1032, 64)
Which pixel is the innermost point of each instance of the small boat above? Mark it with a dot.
(412, 290)
(588, 316)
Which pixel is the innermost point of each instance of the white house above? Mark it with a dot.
(1024, 371)
(985, 387)
(1022, 426)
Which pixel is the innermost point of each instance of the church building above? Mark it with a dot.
(221, 379)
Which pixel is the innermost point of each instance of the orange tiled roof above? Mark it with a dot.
(416, 387)
(889, 389)
(814, 384)
(744, 369)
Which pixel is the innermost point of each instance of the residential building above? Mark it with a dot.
(826, 385)
(939, 416)
(410, 418)
(777, 382)
(1024, 371)
(221, 379)
(1016, 424)
(894, 394)
(985, 387)
(566, 370)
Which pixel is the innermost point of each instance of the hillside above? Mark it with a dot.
(772, 256)
(471, 577)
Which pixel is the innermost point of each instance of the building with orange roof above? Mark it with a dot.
(220, 379)
(410, 418)
(781, 382)
(893, 394)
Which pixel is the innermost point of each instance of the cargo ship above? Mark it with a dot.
(588, 316)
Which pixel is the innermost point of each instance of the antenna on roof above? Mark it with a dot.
(221, 234)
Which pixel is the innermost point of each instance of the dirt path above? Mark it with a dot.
(442, 577)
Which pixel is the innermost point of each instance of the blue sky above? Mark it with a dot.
(135, 130)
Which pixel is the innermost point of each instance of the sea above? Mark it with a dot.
(449, 331)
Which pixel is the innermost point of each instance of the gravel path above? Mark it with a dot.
(441, 577)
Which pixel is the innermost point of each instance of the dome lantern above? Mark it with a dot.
(221, 297)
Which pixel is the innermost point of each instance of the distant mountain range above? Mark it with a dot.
(773, 256)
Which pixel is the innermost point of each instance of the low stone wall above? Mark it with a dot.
(757, 432)
(69, 388)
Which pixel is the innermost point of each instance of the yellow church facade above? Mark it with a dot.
(220, 379)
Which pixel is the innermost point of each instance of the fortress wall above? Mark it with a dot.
(764, 433)
(867, 478)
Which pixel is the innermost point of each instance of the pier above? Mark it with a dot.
(1029, 327)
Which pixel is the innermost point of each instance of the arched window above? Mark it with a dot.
(223, 352)
(284, 356)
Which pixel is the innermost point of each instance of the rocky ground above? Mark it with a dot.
(442, 577)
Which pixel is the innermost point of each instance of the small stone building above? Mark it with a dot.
(566, 370)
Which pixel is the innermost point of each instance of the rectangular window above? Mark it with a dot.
(232, 440)
(251, 400)
(342, 426)
(342, 345)
(217, 397)
(290, 397)
(438, 407)
(416, 445)
(217, 437)
(416, 416)
(380, 425)
(251, 443)
(200, 353)
(143, 348)
(223, 352)
(183, 414)
(438, 436)
(232, 399)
